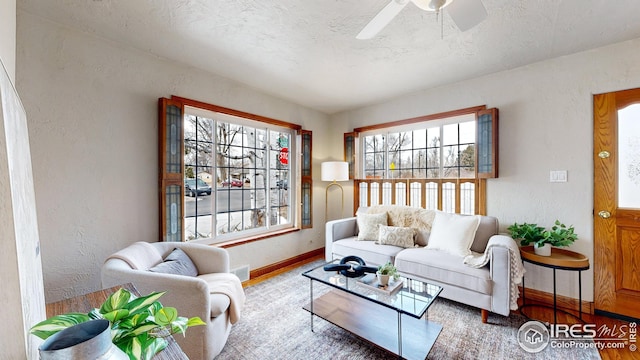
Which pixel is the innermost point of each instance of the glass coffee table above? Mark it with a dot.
(375, 315)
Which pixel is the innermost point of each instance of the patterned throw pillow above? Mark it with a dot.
(394, 235)
(368, 225)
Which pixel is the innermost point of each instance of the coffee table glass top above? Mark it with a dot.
(413, 298)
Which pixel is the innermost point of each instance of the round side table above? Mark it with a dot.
(560, 259)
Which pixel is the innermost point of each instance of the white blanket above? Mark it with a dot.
(478, 260)
(229, 285)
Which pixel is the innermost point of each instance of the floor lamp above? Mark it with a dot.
(334, 171)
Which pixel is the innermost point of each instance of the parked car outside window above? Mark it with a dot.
(232, 182)
(193, 187)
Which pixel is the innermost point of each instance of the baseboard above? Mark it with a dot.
(302, 258)
(616, 316)
(563, 302)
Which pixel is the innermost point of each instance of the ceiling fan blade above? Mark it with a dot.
(382, 19)
(466, 13)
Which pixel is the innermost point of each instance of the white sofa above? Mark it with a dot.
(488, 287)
(190, 295)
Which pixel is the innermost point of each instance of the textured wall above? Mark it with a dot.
(546, 124)
(92, 110)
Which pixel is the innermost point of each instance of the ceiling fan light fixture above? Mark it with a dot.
(465, 14)
(431, 5)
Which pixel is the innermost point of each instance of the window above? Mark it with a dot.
(444, 149)
(238, 174)
(428, 162)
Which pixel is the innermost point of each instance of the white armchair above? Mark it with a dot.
(191, 296)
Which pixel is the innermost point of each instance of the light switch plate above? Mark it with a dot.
(558, 176)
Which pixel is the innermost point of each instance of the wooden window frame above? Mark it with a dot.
(306, 178)
(350, 153)
(479, 180)
(167, 179)
(487, 154)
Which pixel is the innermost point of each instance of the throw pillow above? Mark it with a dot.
(422, 237)
(395, 235)
(178, 263)
(453, 233)
(368, 225)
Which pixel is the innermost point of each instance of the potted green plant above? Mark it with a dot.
(542, 239)
(139, 325)
(385, 271)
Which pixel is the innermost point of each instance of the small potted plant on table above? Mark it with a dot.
(542, 239)
(385, 271)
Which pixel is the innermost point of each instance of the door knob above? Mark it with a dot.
(604, 214)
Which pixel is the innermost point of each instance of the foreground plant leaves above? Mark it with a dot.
(57, 323)
(138, 325)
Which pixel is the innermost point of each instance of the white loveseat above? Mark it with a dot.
(490, 287)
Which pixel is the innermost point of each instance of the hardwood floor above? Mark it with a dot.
(617, 327)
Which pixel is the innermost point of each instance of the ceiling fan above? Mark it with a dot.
(464, 13)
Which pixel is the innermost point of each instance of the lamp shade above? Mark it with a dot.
(335, 171)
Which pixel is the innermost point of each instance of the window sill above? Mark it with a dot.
(247, 240)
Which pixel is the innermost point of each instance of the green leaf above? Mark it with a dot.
(115, 301)
(132, 321)
(118, 335)
(166, 316)
(95, 314)
(142, 347)
(116, 315)
(143, 303)
(179, 326)
(195, 321)
(153, 347)
(144, 329)
(132, 347)
(57, 323)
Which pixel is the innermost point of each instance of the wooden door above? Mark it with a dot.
(617, 202)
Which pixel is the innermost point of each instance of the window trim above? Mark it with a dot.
(238, 113)
(419, 119)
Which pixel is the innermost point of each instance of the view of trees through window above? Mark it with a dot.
(438, 151)
(237, 176)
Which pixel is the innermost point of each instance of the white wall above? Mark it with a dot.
(92, 107)
(546, 124)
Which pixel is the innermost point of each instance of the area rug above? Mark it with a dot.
(275, 326)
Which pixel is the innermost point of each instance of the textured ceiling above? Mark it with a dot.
(306, 51)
